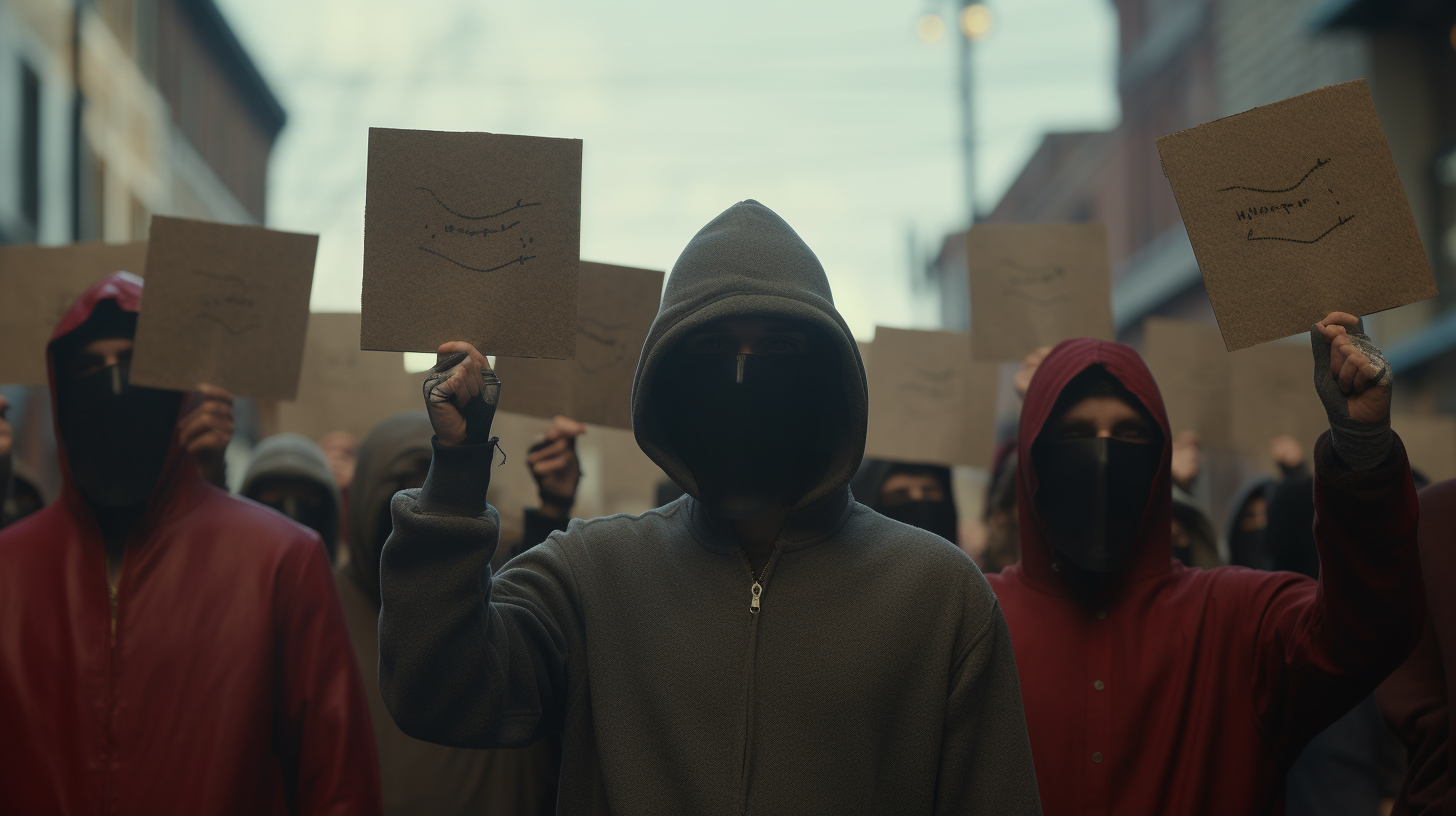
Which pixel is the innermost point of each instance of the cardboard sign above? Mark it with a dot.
(1294, 211)
(38, 285)
(472, 236)
(930, 401)
(1272, 387)
(1036, 285)
(1430, 442)
(343, 388)
(1193, 373)
(615, 312)
(225, 305)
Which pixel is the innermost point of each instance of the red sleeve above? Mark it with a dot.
(325, 739)
(1322, 648)
(1413, 700)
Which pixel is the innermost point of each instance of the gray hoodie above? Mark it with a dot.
(296, 456)
(878, 676)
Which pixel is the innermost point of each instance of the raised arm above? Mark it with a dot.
(1324, 647)
(465, 658)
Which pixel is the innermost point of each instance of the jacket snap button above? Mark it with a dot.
(1101, 615)
(1097, 757)
(1098, 685)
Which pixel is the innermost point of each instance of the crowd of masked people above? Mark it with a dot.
(794, 630)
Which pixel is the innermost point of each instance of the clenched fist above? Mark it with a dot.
(461, 394)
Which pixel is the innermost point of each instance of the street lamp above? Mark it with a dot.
(974, 20)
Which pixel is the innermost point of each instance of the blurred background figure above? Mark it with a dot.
(556, 470)
(1003, 530)
(919, 495)
(1195, 542)
(339, 448)
(290, 474)
(421, 777)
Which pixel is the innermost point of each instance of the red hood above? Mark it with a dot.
(1154, 552)
(179, 473)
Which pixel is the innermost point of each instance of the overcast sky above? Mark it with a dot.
(834, 114)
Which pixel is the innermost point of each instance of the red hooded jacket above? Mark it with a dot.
(229, 685)
(1191, 691)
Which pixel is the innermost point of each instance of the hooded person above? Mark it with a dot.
(918, 495)
(763, 644)
(1151, 687)
(1247, 523)
(167, 647)
(290, 474)
(421, 777)
(1416, 699)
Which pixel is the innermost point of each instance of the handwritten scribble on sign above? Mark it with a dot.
(471, 236)
(1295, 210)
(226, 305)
(1298, 214)
(930, 401)
(486, 242)
(601, 345)
(1034, 285)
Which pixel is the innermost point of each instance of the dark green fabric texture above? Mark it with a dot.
(878, 677)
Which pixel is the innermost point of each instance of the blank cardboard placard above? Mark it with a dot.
(929, 400)
(616, 308)
(1036, 285)
(1430, 442)
(343, 388)
(1273, 394)
(1294, 211)
(226, 305)
(38, 285)
(472, 236)
(1193, 372)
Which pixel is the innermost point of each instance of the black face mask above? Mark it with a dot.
(313, 512)
(1091, 496)
(116, 435)
(745, 425)
(938, 517)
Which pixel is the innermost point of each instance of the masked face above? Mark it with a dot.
(301, 500)
(938, 517)
(116, 435)
(1091, 496)
(745, 425)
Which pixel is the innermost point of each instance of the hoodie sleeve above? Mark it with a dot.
(985, 755)
(468, 659)
(1322, 648)
(326, 742)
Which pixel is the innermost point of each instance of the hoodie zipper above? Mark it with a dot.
(754, 605)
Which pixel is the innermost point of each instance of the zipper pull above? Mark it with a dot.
(757, 591)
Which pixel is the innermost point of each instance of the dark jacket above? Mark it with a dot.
(421, 777)
(228, 685)
(877, 677)
(1416, 700)
(1191, 691)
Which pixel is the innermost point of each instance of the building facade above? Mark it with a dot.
(1185, 62)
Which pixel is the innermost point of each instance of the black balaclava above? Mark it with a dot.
(1091, 492)
(746, 425)
(117, 435)
(939, 517)
(302, 500)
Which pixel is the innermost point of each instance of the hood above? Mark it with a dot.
(749, 261)
(383, 457)
(179, 473)
(1251, 487)
(1153, 551)
(1198, 526)
(295, 455)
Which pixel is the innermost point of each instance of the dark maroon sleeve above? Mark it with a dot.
(1321, 648)
(326, 741)
(1413, 700)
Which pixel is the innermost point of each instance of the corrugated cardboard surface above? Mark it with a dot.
(38, 285)
(1036, 285)
(471, 236)
(1295, 210)
(226, 305)
(929, 400)
(616, 309)
(343, 388)
(1193, 373)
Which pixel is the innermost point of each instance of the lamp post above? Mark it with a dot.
(973, 22)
